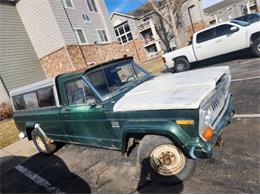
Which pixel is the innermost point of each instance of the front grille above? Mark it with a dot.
(217, 101)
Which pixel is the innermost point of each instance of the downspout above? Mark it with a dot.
(1, 79)
(74, 34)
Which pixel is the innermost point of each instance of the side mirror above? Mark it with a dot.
(234, 29)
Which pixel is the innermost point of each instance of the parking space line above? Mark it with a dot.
(244, 79)
(246, 116)
(38, 180)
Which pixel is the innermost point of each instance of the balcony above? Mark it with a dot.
(144, 25)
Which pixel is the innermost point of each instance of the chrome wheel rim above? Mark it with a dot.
(167, 160)
(180, 67)
(40, 143)
(258, 47)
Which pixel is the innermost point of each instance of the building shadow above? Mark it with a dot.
(147, 186)
(51, 168)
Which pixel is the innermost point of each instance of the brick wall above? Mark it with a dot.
(71, 58)
(8, 133)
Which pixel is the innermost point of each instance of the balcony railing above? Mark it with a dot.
(144, 25)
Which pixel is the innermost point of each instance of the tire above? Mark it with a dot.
(41, 144)
(181, 64)
(256, 47)
(148, 148)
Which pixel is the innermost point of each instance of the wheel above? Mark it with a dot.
(256, 47)
(41, 144)
(181, 64)
(163, 161)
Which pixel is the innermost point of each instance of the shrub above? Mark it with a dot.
(6, 111)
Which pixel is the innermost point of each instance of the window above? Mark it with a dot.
(30, 100)
(123, 33)
(68, 3)
(206, 35)
(102, 35)
(91, 5)
(224, 30)
(46, 97)
(80, 36)
(78, 92)
(86, 18)
(18, 102)
(115, 78)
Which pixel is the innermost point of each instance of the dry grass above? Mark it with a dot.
(8, 133)
(154, 65)
(6, 111)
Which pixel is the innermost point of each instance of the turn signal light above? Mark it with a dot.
(208, 134)
(184, 122)
(164, 60)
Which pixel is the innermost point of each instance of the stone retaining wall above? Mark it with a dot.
(72, 57)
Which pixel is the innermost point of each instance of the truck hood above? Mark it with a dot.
(172, 91)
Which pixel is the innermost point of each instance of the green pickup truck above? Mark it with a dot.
(172, 119)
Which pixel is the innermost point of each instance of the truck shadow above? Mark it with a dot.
(146, 186)
(51, 168)
(239, 55)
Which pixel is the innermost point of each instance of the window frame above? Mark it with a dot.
(213, 33)
(86, 22)
(84, 83)
(93, 11)
(217, 36)
(99, 36)
(66, 6)
(77, 35)
(119, 37)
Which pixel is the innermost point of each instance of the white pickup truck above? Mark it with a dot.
(215, 41)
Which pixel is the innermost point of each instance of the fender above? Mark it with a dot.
(168, 129)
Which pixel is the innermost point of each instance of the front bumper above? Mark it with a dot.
(199, 149)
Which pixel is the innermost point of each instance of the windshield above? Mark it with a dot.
(240, 23)
(110, 80)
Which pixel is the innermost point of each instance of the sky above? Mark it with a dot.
(125, 6)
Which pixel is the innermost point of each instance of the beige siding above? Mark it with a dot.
(63, 22)
(97, 20)
(41, 26)
(19, 64)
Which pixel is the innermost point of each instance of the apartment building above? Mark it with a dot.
(68, 35)
(19, 64)
(144, 24)
(229, 9)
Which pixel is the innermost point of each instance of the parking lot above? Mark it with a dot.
(235, 167)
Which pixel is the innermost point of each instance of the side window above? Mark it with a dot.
(206, 35)
(223, 30)
(78, 92)
(18, 102)
(30, 100)
(46, 97)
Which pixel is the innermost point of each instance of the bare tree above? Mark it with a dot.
(173, 7)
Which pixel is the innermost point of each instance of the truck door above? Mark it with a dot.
(230, 38)
(204, 44)
(84, 119)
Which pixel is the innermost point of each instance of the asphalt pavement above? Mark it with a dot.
(234, 168)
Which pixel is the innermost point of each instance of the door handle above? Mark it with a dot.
(220, 40)
(198, 47)
(67, 109)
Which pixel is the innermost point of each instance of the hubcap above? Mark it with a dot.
(258, 47)
(180, 67)
(167, 160)
(40, 143)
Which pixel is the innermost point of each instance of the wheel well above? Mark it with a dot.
(29, 132)
(255, 36)
(180, 57)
